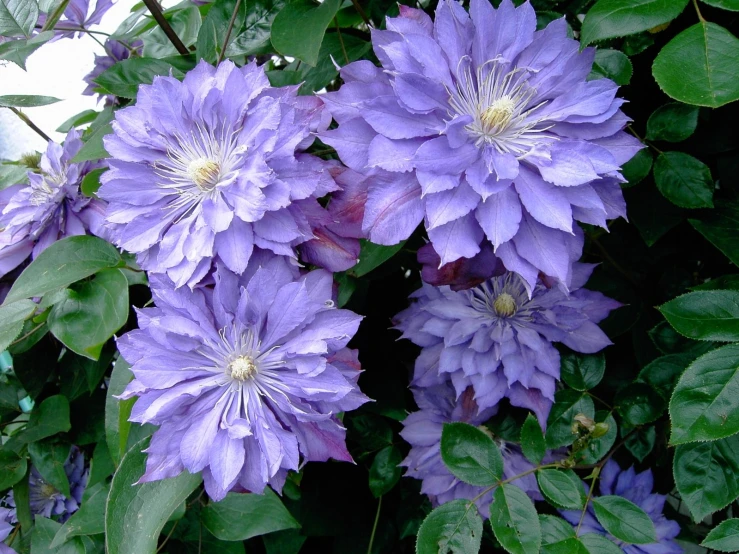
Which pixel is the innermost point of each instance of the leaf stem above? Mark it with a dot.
(341, 40)
(156, 11)
(229, 30)
(596, 474)
(374, 526)
(30, 123)
(698, 11)
(174, 526)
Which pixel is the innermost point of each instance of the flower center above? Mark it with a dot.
(205, 173)
(47, 490)
(498, 115)
(242, 368)
(504, 305)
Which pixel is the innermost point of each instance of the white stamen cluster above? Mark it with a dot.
(502, 297)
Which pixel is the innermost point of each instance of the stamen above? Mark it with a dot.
(504, 305)
(204, 173)
(242, 368)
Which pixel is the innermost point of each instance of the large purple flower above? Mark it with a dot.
(498, 340)
(206, 169)
(438, 405)
(486, 129)
(636, 487)
(50, 207)
(243, 378)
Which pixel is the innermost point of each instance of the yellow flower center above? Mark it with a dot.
(504, 305)
(204, 173)
(242, 368)
(499, 114)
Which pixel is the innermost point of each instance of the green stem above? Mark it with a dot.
(698, 11)
(374, 526)
(341, 40)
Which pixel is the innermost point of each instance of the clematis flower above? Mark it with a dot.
(244, 378)
(438, 405)
(49, 208)
(210, 169)
(463, 274)
(487, 130)
(76, 17)
(636, 487)
(115, 52)
(6, 527)
(497, 340)
(46, 500)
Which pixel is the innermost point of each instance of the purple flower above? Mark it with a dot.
(243, 378)
(463, 274)
(7, 515)
(46, 500)
(636, 487)
(49, 208)
(498, 340)
(115, 52)
(439, 405)
(487, 130)
(75, 17)
(209, 170)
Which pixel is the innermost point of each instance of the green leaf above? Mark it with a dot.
(48, 459)
(719, 283)
(470, 454)
(684, 180)
(64, 262)
(705, 315)
(298, 29)
(618, 18)
(638, 403)
(91, 313)
(91, 182)
(242, 516)
(12, 317)
(705, 404)
(567, 404)
(706, 475)
(44, 531)
(692, 67)
(454, 527)
(721, 226)
(117, 426)
(17, 17)
(637, 168)
(562, 488)
(724, 537)
(12, 175)
(12, 468)
(215, 25)
(673, 122)
(554, 529)
(94, 149)
(47, 419)
(662, 374)
(624, 520)
(533, 444)
(89, 519)
(75, 121)
(26, 100)
(597, 448)
(17, 51)
(514, 520)
(135, 514)
(254, 37)
(372, 256)
(731, 5)
(123, 79)
(582, 371)
(641, 443)
(385, 472)
(185, 20)
(612, 64)
(282, 542)
(598, 544)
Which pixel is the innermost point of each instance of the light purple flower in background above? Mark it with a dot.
(636, 487)
(487, 130)
(438, 405)
(210, 169)
(115, 52)
(497, 340)
(77, 16)
(7, 515)
(49, 208)
(243, 378)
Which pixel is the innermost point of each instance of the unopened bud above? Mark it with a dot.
(585, 422)
(600, 430)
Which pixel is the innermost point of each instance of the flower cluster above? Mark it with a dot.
(51, 206)
(485, 129)
(636, 487)
(244, 378)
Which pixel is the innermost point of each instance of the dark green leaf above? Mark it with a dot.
(117, 426)
(64, 262)
(254, 37)
(705, 404)
(617, 18)
(91, 182)
(732, 5)
(289, 541)
(241, 516)
(12, 468)
(372, 256)
(185, 20)
(47, 419)
(135, 514)
(89, 519)
(721, 226)
(554, 529)
(724, 537)
(91, 313)
(705, 315)
(102, 465)
(17, 17)
(25, 100)
(598, 544)
(567, 404)
(470, 454)
(637, 168)
(706, 475)
(48, 459)
(213, 31)
(17, 51)
(582, 371)
(613, 65)
(12, 317)
(683, 180)
(597, 448)
(454, 527)
(641, 442)
(719, 283)
(299, 28)
(624, 520)
(532, 440)
(672, 122)
(662, 374)
(562, 488)
(691, 68)
(638, 403)
(123, 79)
(384, 472)
(514, 520)
(44, 531)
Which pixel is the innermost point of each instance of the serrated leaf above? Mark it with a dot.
(618, 18)
(470, 454)
(17, 17)
(673, 122)
(562, 487)
(612, 64)
(17, 51)
(582, 371)
(254, 38)
(514, 520)
(598, 544)
(299, 28)
(567, 404)
(692, 67)
(533, 444)
(706, 475)
(705, 315)
(624, 520)
(705, 404)
(454, 527)
(724, 537)
(732, 5)
(684, 180)
(12, 317)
